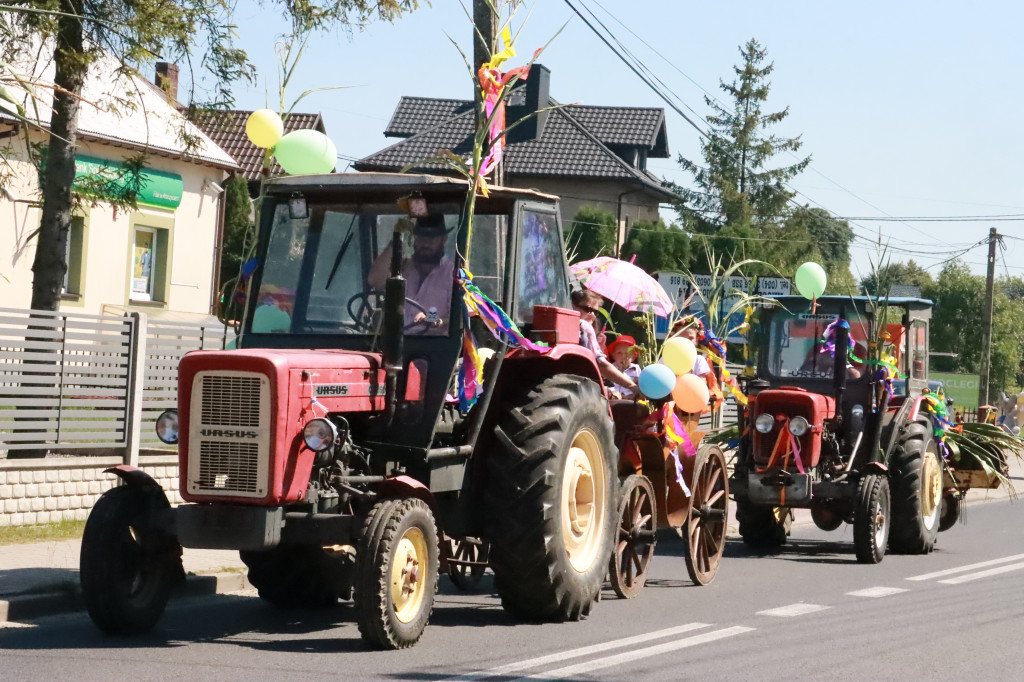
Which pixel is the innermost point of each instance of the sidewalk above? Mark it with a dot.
(41, 578)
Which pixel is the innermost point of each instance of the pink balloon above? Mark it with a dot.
(691, 393)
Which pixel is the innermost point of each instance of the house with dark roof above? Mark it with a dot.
(227, 129)
(587, 155)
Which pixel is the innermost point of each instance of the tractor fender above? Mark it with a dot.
(876, 468)
(405, 486)
(568, 358)
(136, 478)
(915, 409)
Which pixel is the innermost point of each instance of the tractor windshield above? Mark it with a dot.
(796, 347)
(325, 267)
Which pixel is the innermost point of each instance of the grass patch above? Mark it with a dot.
(60, 530)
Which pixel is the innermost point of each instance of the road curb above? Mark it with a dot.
(27, 607)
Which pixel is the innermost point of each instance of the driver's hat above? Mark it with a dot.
(430, 226)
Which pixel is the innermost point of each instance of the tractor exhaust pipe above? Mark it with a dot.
(393, 332)
(842, 355)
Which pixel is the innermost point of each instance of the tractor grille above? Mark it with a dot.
(229, 434)
(231, 400)
(226, 466)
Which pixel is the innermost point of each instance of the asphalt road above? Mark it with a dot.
(809, 612)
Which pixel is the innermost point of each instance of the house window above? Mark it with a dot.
(149, 264)
(74, 258)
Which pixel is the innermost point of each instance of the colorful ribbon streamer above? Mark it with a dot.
(501, 327)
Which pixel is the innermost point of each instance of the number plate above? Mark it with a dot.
(798, 491)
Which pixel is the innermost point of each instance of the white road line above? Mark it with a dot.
(582, 651)
(630, 656)
(798, 609)
(983, 574)
(875, 592)
(968, 567)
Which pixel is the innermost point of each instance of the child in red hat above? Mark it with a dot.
(623, 353)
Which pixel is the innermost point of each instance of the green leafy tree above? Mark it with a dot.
(238, 231)
(737, 183)
(592, 234)
(134, 31)
(657, 247)
(879, 282)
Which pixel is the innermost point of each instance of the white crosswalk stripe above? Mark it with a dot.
(602, 647)
(982, 574)
(798, 609)
(876, 592)
(968, 567)
(637, 654)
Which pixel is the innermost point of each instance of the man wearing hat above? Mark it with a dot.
(428, 274)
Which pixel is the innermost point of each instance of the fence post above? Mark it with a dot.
(137, 377)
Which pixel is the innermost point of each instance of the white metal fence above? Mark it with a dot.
(76, 382)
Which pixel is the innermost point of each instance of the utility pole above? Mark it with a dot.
(986, 331)
(485, 21)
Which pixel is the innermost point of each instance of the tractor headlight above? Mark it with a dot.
(320, 435)
(857, 411)
(798, 426)
(167, 427)
(764, 423)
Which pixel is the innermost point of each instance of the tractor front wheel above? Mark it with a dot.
(950, 511)
(397, 566)
(916, 475)
(871, 519)
(552, 496)
(127, 565)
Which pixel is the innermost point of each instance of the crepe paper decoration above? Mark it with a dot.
(785, 445)
(940, 418)
(264, 128)
(472, 371)
(248, 268)
(501, 327)
(729, 382)
(492, 85)
(828, 339)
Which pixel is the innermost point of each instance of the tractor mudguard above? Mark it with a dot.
(405, 486)
(876, 468)
(563, 358)
(136, 478)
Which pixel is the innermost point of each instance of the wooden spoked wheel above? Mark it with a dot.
(467, 561)
(634, 544)
(705, 526)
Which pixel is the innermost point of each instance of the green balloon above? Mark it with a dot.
(811, 280)
(306, 152)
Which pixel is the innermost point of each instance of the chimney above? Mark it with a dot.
(524, 101)
(167, 79)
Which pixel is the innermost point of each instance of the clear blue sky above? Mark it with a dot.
(908, 108)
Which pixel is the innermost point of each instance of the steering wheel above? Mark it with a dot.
(367, 304)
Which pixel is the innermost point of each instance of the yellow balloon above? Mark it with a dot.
(691, 393)
(679, 354)
(264, 128)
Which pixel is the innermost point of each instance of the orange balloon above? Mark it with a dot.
(691, 393)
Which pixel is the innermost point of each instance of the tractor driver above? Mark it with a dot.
(428, 276)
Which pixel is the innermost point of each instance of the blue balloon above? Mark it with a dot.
(657, 381)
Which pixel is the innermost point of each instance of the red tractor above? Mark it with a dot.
(331, 448)
(823, 431)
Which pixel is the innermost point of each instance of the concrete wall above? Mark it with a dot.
(109, 237)
(36, 491)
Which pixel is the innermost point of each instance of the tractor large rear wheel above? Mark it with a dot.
(916, 475)
(552, 496)
(763, 527)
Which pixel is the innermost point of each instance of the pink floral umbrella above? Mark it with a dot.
(624, 284)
